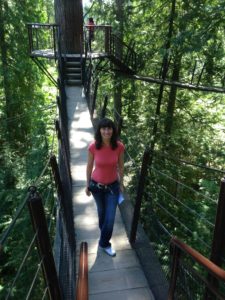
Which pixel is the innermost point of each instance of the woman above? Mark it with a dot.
(91, 29)
(106, 180)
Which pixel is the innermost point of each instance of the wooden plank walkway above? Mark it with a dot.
(120, 277)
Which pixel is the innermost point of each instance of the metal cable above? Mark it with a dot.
(21, 265)
(182, 184)
(11, 119)
(187, 207)
(45, 291)
(10, 227)
(34, 280)
(190, 163)
(184, 226)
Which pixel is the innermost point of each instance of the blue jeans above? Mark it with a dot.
(106, 201)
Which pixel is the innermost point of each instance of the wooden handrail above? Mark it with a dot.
(99, 26)
(42, 25)
(202, 260)
(82, 281)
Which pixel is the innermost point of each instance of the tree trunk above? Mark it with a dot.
(172, 97)
(119, 50)
(164, 73)
(4, 63)
(69, 15)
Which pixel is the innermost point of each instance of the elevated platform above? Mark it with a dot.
(110, 278)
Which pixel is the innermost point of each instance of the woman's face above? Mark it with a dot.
(106, 133)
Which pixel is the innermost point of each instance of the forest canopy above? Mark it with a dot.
(179, 41)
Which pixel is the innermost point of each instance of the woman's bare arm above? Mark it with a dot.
(121, 170)
(89, 169)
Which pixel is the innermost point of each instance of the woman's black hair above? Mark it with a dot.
(103, 123)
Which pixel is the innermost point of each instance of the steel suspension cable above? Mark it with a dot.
(182, 184)
(190, 163)
(21, 265)
(34, 280)
(179, 222)
(10, 227)
(187, 207)
(16, 118)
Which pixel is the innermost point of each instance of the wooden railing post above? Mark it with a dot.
(82, 282)
(140, 191)
(175, 264)
(39, 223)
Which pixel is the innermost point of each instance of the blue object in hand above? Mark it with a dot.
(120, 198)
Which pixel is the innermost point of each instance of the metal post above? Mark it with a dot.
(39, 223)
(140, 191)
(55, 171)
(218, 243)
(94, 98)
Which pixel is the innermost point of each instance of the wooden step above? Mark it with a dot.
(74, 82)
(73, 70)
(73, 64)
(73, 76)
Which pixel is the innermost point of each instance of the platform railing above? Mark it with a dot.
(127, 56)
(101, 40)
(190, 275)
(43, 39)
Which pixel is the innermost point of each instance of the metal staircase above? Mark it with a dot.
(73, 71)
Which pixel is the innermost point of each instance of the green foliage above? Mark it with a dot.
(180, 198)
(26, 118)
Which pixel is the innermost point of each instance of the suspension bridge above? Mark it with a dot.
(69, 264)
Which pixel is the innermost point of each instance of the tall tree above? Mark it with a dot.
(119, 11)
(69, 15)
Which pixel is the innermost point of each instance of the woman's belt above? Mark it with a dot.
(104, 186)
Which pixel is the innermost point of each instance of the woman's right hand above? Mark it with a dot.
(88, 193)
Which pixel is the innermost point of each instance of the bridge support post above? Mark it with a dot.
(218, 243)
(140, 191)
(39, 223)
(94, 99)
(176, 252)
(108, 30)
